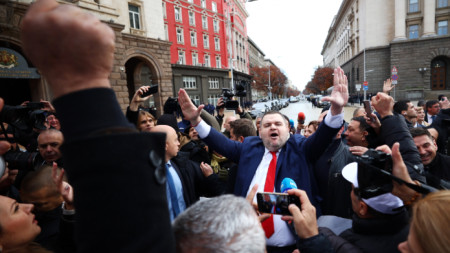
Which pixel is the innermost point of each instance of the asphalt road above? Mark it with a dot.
(311, 113)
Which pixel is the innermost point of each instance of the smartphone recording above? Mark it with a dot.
(276, 203)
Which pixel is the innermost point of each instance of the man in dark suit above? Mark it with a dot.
(432, 109)
(291, 153)
(115, 172)
(185, 181)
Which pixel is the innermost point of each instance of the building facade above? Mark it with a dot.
(368, 38)
(206, 36)
(256, 59)
(142, 56)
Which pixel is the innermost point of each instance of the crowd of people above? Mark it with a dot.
(93, 179)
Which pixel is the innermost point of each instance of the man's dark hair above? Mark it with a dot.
(400, 106)
(314, 123)
(440, 97)
(286, 119)
(419, 131)
(363, 126)
(243, 127)
(430, 103)
(421, 103)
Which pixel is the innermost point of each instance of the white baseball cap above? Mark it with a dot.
(386, 203)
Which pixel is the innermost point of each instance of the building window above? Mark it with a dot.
(413, 5)
(192, 18)
(443, 27)
(442, 3)
(193, 38)
(180, 35)
(164, 9)
(414, 31)
(195, 98)
(212, 99)
(205, 41)
(166, 30)
(216, 25)
(178, 16)
(207, 61)
(217, 44)
(203, 4)
(181, 57)
(134, 16)
(189, 82)
(194, 59)
(205, 22)
(214, 7)
(213, 83)
(218, 62)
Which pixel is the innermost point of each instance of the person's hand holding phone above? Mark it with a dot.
(137, 98)
(305, 222)
(250, 197)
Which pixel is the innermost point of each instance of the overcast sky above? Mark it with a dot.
(291, 33)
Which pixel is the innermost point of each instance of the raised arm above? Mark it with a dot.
(117, 187)
(339, 95)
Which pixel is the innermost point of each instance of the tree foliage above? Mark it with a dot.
(321, 81)
(261, 80)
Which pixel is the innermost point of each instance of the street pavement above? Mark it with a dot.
(312, 113)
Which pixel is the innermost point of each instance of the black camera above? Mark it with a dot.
(240, 89)
(24, 118)
(228, 101)
(18, 160)
(374, 173)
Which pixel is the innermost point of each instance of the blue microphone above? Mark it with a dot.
(287, 184)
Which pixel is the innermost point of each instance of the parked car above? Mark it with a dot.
(293, 99)
(260, 109)
(284, 102)
(320, 103)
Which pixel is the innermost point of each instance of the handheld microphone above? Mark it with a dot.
(288, 184)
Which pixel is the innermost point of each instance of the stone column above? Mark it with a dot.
(429, 11)
(400, 17)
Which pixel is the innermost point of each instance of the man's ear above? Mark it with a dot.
(363, 208)
(241, 139)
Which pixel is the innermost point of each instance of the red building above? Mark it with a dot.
(199, 31)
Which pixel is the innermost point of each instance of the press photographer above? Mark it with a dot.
(26, 126)
(228, 95)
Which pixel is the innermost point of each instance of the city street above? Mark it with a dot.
(311, 113)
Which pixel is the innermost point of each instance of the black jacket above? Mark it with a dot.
(117, 175)
(437, 170)
(378, 234)
(442, 124)
(333, 187)
(394, 129)
(195, 184)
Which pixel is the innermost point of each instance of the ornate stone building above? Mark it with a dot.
(142, 54)
(368, 38)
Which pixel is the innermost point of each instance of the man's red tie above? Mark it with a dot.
(269, 187)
